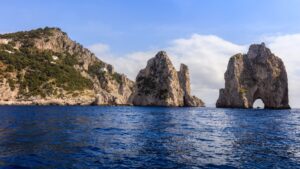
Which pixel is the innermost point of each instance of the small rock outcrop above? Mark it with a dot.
(185, 84)
(259, 74)
(159, 84)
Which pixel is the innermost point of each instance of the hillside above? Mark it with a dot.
(44, 66)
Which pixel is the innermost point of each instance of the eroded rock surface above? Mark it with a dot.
(159, 84)
(259, 74)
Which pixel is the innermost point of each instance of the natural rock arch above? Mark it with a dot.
(257, 95)
(257, 74)
(258, 103)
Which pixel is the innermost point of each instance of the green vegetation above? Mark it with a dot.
(95, 70)
(25, 35)
(117, 77)
(26, 38)
(243, 90)
(10, 68)
(11, 83)
(42, 73)
(7, 47)
(162, 94)
(146, 85)
(45, 72)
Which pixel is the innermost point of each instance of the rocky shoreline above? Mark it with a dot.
(45, 67)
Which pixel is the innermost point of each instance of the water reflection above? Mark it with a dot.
(41, 136)
(261, 138)
(171, 137)
(148, 137)
(154, 138)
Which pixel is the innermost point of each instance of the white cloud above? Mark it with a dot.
(207, 57)
(100, 49)
(129, 64)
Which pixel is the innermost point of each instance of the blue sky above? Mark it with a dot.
(200, 33)
(130, 25)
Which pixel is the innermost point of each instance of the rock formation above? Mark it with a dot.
(259, 74)
(44, 66)
(159, 84)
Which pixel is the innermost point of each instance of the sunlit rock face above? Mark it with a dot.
(259, 74)
(159, 84)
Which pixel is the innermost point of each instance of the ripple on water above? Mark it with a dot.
(148, 137)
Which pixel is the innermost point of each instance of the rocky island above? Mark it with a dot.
(44, 66)
(259, 74)
(160, 84)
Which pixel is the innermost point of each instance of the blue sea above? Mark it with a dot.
(148, 137)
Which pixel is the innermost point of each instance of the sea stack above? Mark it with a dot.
(159, 84)
(259, 74)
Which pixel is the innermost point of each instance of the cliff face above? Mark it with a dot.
(259, 74)
(45, 66)
(159, 84)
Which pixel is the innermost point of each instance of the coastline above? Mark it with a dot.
(62, 102)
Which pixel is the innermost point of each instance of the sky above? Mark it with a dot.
(200, 33)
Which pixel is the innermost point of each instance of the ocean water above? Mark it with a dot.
(148, 137)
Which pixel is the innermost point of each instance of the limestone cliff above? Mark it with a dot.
(259, 74)
(44, 66)
(159, 84)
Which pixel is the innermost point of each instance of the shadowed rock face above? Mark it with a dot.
(259, 74)
(159, 84)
